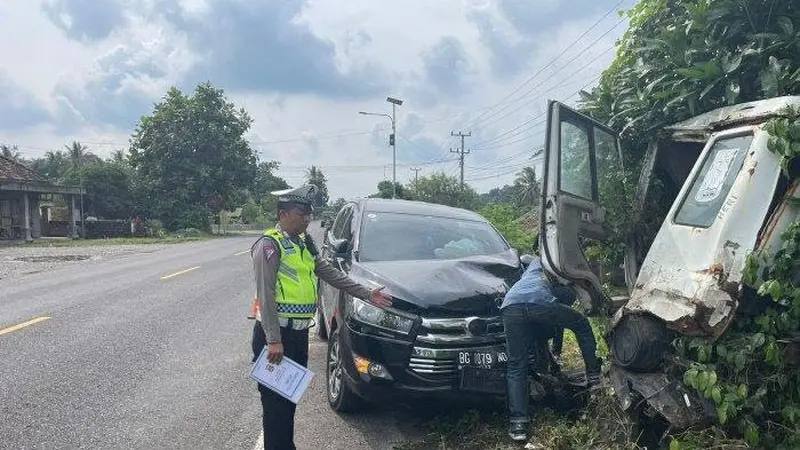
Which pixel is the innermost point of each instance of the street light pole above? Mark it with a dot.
(392, 139)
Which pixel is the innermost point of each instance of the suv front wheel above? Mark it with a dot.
(341, 397)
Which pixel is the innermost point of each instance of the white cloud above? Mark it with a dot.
(102, 81)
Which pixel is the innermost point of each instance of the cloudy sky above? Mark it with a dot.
(88, 69)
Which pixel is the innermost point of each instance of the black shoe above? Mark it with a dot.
(517, 431)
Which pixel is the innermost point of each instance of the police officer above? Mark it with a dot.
(286, 265)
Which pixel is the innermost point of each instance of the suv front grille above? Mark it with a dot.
(461, 331)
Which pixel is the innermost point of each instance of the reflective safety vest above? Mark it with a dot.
(296, 284)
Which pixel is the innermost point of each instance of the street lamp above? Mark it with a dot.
(392, 138)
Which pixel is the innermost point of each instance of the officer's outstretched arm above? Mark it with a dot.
(340, 280)
(266, 259)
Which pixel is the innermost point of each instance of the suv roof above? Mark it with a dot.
(728, 116)
(417, 208)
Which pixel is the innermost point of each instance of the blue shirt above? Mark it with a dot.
(534, 288)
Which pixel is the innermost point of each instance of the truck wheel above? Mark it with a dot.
(639, 342)
(341, 397)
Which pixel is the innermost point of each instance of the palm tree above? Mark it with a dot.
(315, 176)
(118, 157)
(527, 187)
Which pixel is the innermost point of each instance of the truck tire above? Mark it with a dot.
(638, 343)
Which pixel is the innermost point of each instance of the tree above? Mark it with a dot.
(445, 190)
(118, 157)
(250, 212)
(315, 176)
(527, 189)
(108, 191)
(337, 206)
(54, 166)
(682, 58)
(385, 191)
(10, 152)
(191, 157)
(266, 181)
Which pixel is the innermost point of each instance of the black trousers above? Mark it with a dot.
(278, 413)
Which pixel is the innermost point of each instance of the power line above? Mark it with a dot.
(507, 134)
(562, 53)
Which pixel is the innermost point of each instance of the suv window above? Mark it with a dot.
(716, 177)
(410, 237)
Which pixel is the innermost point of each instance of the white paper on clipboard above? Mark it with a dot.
(288, 379)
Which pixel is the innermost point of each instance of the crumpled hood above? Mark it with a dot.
(468, 285)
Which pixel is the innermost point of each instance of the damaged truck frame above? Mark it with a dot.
(729, 198)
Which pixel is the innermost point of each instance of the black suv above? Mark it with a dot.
(447, 270)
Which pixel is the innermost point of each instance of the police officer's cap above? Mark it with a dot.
(301, 196)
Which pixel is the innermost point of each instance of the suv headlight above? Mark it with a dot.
(378, 317)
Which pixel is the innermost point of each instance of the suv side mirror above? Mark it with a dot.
(339, 246)
(526, 259)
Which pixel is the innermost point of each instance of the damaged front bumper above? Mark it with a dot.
(664, 393)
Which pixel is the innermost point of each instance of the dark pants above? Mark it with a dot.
(278, 413)
(519, 321)
(566, 297)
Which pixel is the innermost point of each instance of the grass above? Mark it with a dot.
(600, 425)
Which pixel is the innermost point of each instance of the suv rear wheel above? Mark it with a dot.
(639, 342)
(341, 397)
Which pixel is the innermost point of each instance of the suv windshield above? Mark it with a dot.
(408, 237)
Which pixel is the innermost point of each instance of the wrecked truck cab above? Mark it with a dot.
(729, 198)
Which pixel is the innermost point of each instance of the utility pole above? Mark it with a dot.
(416, 173)
(461, 152)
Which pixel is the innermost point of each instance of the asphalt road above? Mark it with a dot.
(152, 350)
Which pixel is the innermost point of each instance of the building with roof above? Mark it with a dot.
(21, 190)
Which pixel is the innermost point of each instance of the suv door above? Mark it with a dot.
(333, 236)
(581, 158)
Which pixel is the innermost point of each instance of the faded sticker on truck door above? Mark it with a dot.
(712, 184)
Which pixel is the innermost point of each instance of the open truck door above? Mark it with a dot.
(581, 156)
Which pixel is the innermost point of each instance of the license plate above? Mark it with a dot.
(490, 381)
(484, 359)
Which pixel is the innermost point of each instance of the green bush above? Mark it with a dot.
(506, 219)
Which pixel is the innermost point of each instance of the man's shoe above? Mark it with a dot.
(517, 431)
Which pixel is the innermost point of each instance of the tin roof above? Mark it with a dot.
(11, 170)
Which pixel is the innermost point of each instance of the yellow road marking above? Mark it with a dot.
(23, 325)
(165, 277)
(242, 253)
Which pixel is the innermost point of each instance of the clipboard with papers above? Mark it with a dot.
(288, 378)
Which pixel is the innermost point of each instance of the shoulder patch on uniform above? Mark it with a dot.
(270, 249)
